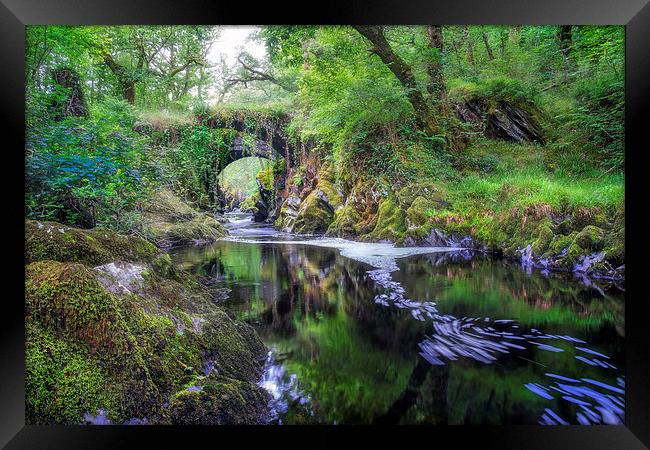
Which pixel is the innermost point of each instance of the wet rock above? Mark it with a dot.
(316, 211)
(111, 343)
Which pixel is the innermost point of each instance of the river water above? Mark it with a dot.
(369, 333)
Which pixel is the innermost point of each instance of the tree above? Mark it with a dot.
(73, 102)
(161, 56)
(423, 113)
(470, 46)
(486, 42)
(251, 71)
(436, 87)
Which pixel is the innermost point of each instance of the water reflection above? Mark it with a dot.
(447, 339)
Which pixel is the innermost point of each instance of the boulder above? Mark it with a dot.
(502, 120)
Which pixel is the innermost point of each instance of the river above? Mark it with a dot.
(370, 333)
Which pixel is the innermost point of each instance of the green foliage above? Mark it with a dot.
(86, 171)
(192, 163)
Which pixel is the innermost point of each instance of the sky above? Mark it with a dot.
(232, 39)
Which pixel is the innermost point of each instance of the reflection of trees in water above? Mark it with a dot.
(415, 391)
(321, 307)
(499, 282)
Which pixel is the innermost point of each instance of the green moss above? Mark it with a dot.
(67, 300)
(223, 402)
(56, 242)
(345, 222)
(62, 381)
(590, 238)
(169, 222)
(235, 357)
(316, 211)
(248, 205)
(128, 352)
(417, 213)
(391, 223)
(560, 243)
(163, 265)
(544, 240)
(573, 254)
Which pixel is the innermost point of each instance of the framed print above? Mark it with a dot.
(409, 218)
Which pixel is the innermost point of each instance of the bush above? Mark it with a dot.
(86, 171)
(601, 115)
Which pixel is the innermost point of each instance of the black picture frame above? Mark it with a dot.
(16, 14)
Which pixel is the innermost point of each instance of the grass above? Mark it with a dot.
(532, 186)
(522, 177)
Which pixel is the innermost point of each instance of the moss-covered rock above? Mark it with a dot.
(57, 242)
(572, 255)
(544, 240)
(417, 213)
(316, 211)
(591, 238)
(67, 300)
(122, 338)
(358, 215)
(169, 222)
(222, 402)
(288, 213)
(62, 380)
(391, 222)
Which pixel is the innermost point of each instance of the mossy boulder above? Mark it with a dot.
(571, 257)
(57, 242)
(221, 402)
(170, 222)
(122, 338)
(561, 243)
(591, 238)
(62, 381)
(358, 215)
(346, 221)
(544, 239)
(316, 211)
(67, 299)
(417, 213)
(288, 213)
(391, 222)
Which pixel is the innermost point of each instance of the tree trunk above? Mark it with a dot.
(436, 86)
(488, 49)
(403, 73)
(470, 47)
(564, 35)
(74, 103)
(128, 91)
(127, 84)
(566, 43)
(503, 35)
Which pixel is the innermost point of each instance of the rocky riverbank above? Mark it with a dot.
(588, 241)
